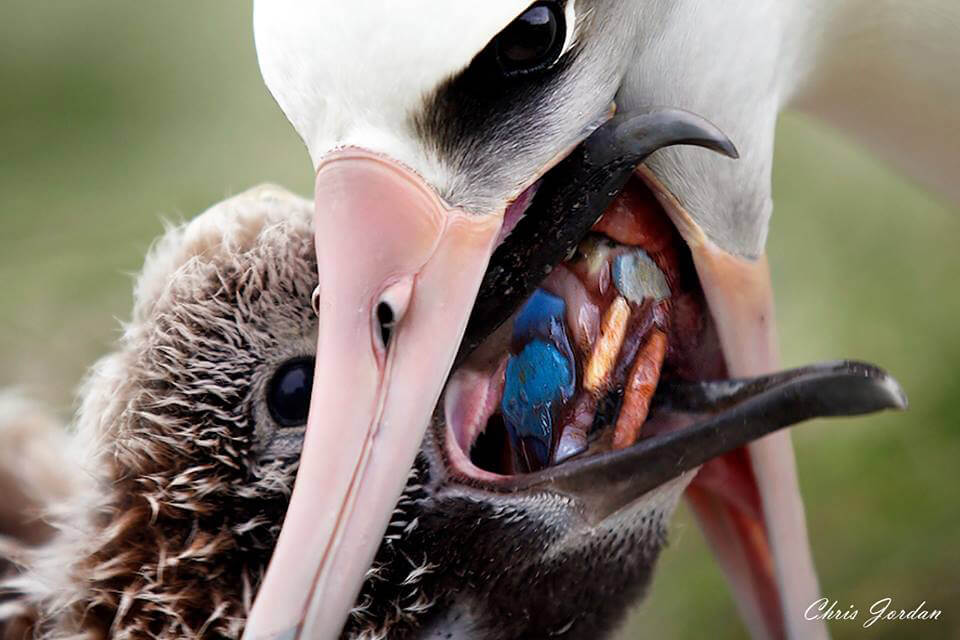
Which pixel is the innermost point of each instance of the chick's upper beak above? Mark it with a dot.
(398, 274)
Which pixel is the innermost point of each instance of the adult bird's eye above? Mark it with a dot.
(288, 393)
(533, 41)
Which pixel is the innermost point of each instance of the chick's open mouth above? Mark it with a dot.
(574, 371)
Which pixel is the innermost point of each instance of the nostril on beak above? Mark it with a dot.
(386, 321)
(315, 301)
(390, 309)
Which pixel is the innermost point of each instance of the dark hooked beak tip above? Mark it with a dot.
(827, 389)
(636, 136)
(710, 419)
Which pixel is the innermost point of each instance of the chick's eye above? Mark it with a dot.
(533, 41)
(288, 392)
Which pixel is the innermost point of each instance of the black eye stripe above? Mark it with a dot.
(469, 118)
(288, 392)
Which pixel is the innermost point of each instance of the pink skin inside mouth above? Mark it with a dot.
(516, 209)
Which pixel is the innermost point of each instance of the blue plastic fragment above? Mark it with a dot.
(538, 382)
(540, 317)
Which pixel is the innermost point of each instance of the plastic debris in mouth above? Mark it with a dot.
(637, 277)
(564, 391)
(539, 380)
(622, 312)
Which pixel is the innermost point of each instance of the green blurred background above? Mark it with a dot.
(114, 115)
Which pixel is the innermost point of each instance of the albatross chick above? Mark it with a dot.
(188, 439)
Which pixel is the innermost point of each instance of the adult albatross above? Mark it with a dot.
(450, 135)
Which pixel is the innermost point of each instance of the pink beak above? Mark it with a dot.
(399, 271)
(748, 502)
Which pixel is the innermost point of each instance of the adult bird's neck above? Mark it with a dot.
(885, 72)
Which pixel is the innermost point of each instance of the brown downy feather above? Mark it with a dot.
(35, 476)
(182, 499)
(184, 478)
(33, 473)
